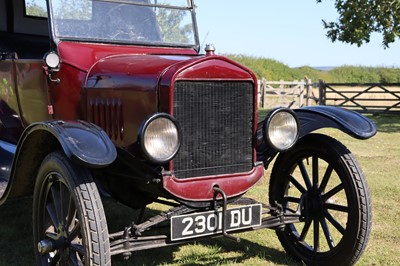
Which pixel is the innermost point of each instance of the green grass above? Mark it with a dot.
(379, 157)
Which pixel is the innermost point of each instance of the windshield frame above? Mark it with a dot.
(190, 7)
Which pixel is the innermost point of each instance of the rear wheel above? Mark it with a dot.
(321, 179)
(69, 225)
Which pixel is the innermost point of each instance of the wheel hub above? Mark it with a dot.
(313, 204)
(49, 245)
(59, 242)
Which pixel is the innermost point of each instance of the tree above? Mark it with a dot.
(358, 19)
(172, 27)
(73, 9)
(36, 8)
(67, 9)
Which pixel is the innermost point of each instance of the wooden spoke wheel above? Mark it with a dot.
(321, 179)
(68, 222)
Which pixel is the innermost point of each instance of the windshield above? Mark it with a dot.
(163, 22)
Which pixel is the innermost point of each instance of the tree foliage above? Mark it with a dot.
(358, 19)
(73, 9)
(35, 8)
(172, 27)
(68, 9)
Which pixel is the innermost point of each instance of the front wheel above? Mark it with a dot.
(69, 225)
(320, 179)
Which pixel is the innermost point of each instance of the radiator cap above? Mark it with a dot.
(210, 49)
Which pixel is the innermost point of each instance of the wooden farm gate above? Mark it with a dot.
(372, 98)
(291, 94)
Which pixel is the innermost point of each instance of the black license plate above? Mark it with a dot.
(210, 222)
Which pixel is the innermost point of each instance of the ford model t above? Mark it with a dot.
(114, 99)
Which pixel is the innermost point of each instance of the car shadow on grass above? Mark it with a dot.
(209, 251)
(386, 123)
(16, 245)
(222, 252)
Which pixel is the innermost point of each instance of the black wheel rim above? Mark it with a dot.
(315, 190)
(59, 223)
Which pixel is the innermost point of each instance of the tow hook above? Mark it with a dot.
(218, 191)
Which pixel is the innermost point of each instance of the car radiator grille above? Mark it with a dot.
(217, 128)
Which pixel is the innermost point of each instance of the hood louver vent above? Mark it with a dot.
(107, 113)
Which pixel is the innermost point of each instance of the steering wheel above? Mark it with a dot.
(117, 28)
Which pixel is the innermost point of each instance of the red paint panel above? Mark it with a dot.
(8, 90)
(128, 110)
(201, 68)
(12, 125)
(108, 114)
(83, 55)
(140, 72)
(215, 68)
(67, 95)
(32, 90)
(195, 189)
(132, 80)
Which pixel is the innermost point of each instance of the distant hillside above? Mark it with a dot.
(273, 70)
(323, 68)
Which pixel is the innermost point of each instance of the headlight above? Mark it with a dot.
(159, 137)
(281, 129)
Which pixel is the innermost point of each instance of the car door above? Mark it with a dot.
(32, 42)
(11, 125)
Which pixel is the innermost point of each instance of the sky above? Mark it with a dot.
(289, 31)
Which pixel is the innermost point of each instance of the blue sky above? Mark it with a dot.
(289, 31)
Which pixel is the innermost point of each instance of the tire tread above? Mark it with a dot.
(85, 190)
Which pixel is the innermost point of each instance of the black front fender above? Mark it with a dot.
(315, 117)
(82, 142)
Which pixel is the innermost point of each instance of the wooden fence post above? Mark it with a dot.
(308, 89)
(322, 92)
(301, 93)
(262, 92)
(291, 94)
(262, 87)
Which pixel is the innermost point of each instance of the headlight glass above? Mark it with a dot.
(160, 139)
(282, 130)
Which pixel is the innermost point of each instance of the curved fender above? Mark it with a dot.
(82, 142)
(315, 117)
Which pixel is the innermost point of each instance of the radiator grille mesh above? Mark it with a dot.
(216, 120)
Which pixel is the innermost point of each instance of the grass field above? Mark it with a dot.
(379, 157)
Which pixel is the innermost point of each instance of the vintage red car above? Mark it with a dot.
(113, 98)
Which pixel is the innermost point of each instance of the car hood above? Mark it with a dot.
(150, 72)
(138, 72)
(143, 68)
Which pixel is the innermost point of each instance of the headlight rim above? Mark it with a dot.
(142, 132)
(267, 122)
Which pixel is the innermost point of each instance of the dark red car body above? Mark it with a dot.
(117, 88)
(94, 104)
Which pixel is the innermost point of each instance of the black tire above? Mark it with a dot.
(337, 205)
(68, 216)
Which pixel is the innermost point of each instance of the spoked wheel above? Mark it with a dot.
(320, 179)
(69, 224)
